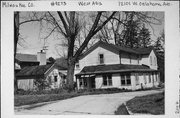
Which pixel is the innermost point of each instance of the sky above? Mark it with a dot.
(33, 40)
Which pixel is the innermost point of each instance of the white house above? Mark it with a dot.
(109, 66)
(33, 70)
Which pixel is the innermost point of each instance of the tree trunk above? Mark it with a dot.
(72, 28)
(16, 37)
(70, 75)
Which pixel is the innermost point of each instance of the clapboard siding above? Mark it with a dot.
(154, 60)
(134, 59)
(116, 57)
(125, 58)
(146, 60)
(93, 57)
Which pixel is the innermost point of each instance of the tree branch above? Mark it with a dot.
(50, 32)
(29, 21)
(107, 20)
(92, 32)
(61, 30)
(64, 22)
(65, 13)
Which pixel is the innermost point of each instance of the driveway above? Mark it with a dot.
(90, 104)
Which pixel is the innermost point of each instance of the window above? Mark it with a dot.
(55, 78)
(156, 77)
(104, 80)
(80, 83)
(110, 80)
(145, 80)
(77, 65)
(149, 78)
(128, 79)
(153, 77)
(107, 80)
(150, 60)
(125, 79)
(101, 58)
(137, 79)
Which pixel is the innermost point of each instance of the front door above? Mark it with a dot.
(93, 83)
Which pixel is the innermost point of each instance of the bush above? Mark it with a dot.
(41, 84)
(102, 91)
(161, 85)
(40, 92)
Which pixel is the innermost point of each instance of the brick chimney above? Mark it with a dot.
(41, 57)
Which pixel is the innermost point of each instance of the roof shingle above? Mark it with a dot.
(33, 70)
(113, 69)
(138, 51)
(26, 57)
(37, 70)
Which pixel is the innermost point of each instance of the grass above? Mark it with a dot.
(32, 97)
(152, 104)
(121, 110)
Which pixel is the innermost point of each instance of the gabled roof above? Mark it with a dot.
(26, 57)
(34, 70)
(60, 67)
(114, 69)
(62, 62)
(144, 51)
(138, 51)
(37, 70)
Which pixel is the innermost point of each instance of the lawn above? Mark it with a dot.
(31, 97)
(149, 104)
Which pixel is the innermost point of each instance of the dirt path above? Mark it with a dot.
(90, 104)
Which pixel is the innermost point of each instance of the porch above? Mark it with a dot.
(85, 81)
(117, 76)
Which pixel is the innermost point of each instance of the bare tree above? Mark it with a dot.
(123, 24)
(17, 35)
(70, 30)
(69, 25)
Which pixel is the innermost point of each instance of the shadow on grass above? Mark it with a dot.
(121, 110)
(149, 104)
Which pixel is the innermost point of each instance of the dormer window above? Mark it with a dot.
(77, 65)
(101, 58)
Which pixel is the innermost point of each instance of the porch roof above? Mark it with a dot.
(115, 68)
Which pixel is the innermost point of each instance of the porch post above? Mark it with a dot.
(83, 83)
(152, 78)
(158, 75)
(88, 82)
(77, 82)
